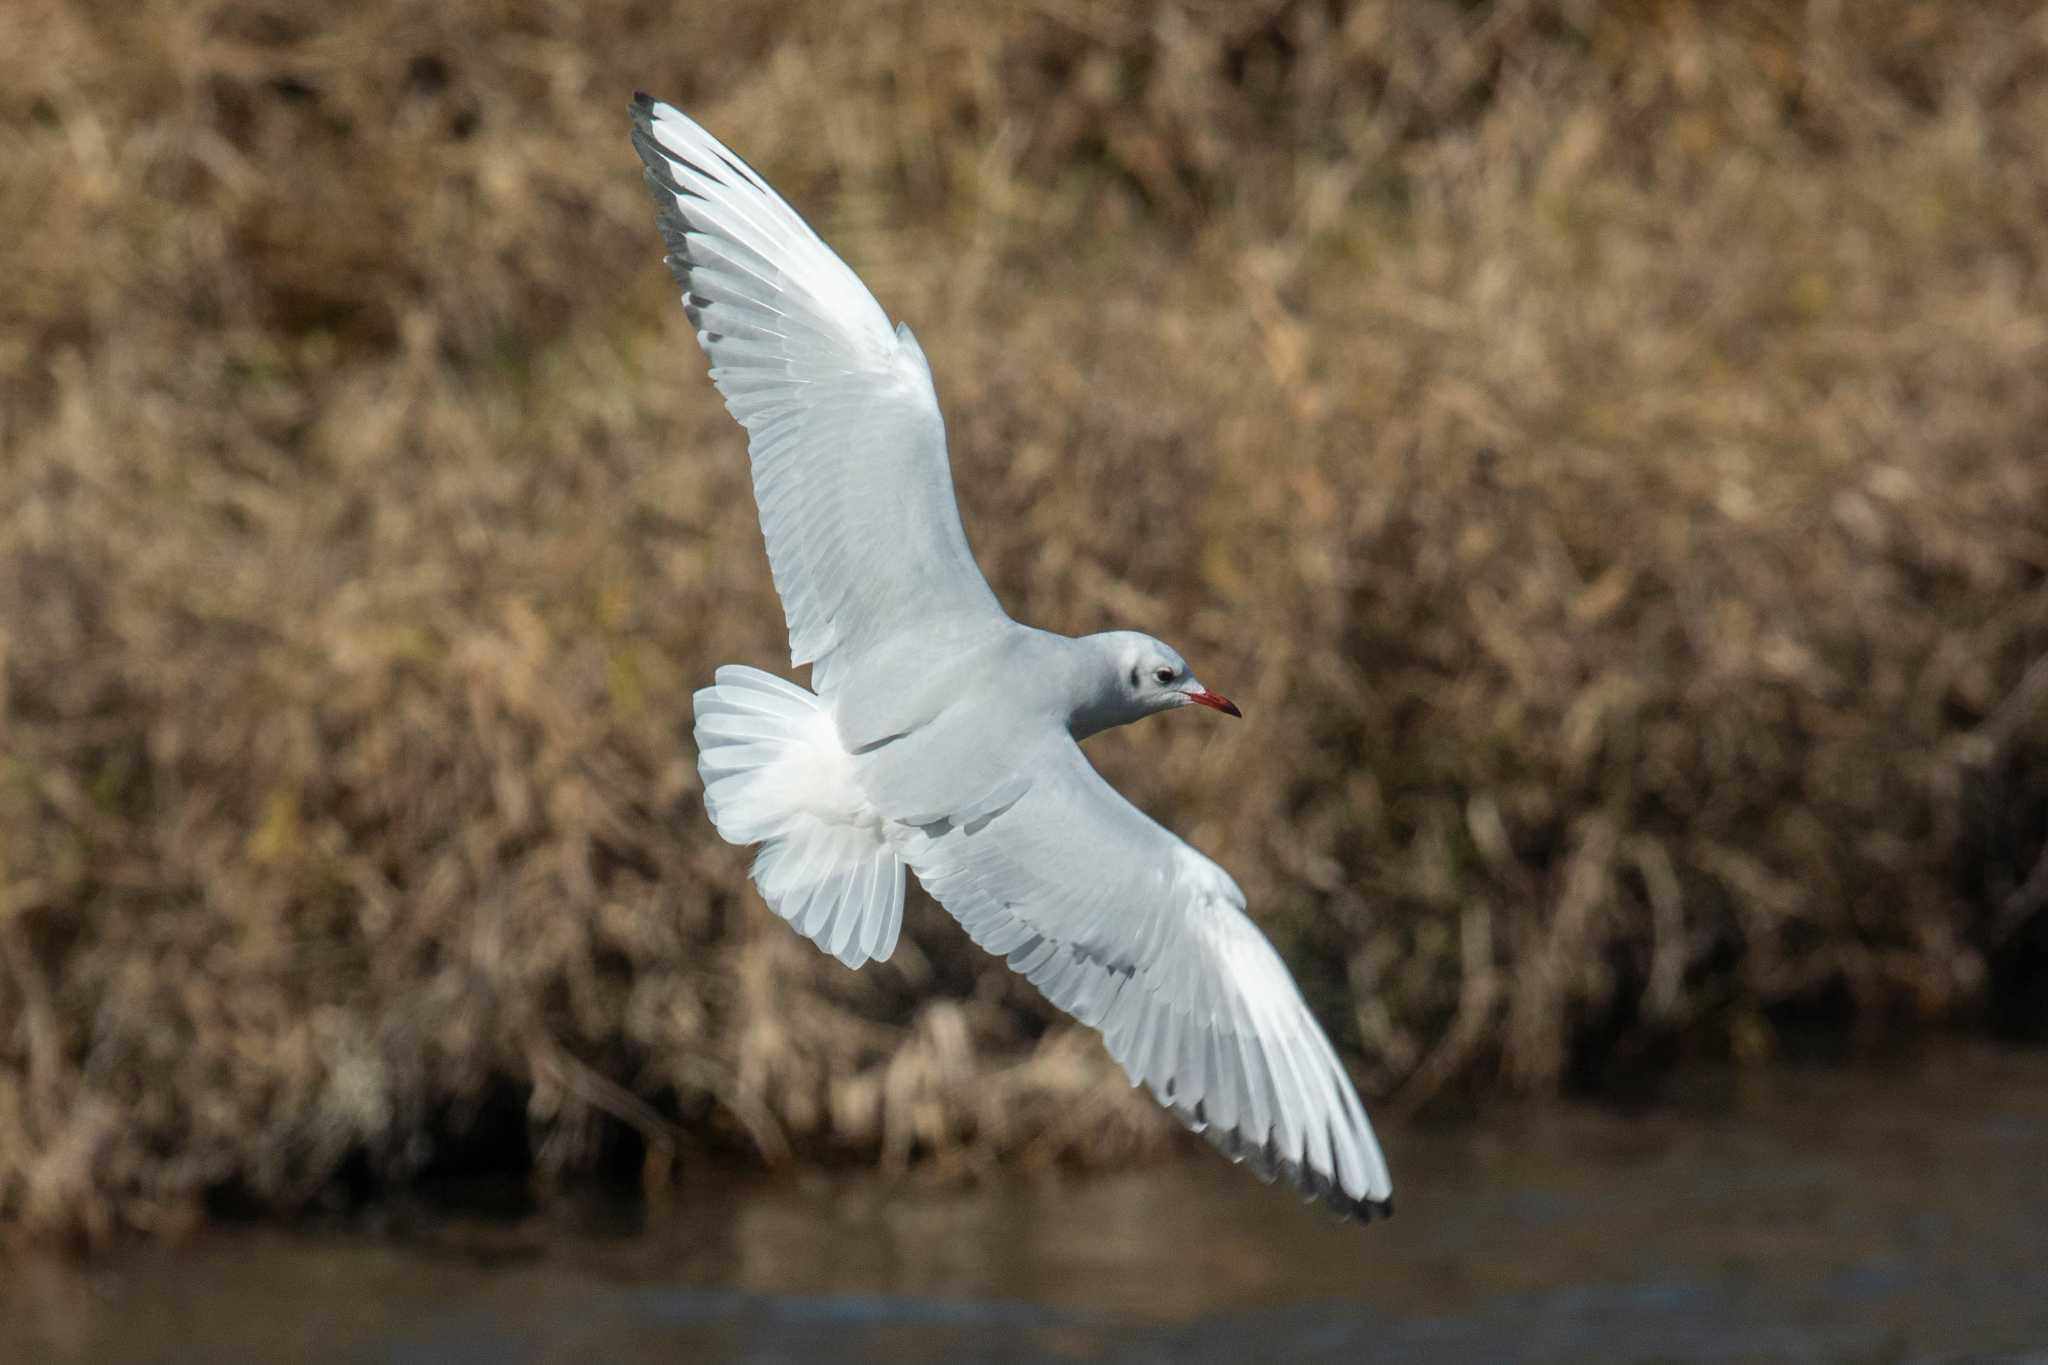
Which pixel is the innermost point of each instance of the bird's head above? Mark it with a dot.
(1136, 676)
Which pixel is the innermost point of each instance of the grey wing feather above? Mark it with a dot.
(847, 444)
(1136, 934)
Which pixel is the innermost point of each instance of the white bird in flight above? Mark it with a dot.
(942, 736)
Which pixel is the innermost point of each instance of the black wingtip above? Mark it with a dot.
(643, 110)
(1361, 1210)
(1264, 1160)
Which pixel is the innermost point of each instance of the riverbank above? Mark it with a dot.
(1815, 1215)
(1601, 454)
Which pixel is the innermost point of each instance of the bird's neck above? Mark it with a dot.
(1097, 700)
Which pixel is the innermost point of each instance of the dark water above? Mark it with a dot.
(1864, 1215)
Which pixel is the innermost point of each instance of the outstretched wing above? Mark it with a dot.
(848, 448)
(1134, 933)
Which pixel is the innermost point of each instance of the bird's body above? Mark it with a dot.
(942, 736)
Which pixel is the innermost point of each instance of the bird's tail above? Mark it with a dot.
(776, 774)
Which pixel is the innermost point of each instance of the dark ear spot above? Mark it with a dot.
(1134, 677)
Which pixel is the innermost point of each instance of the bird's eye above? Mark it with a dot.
(1163, 674)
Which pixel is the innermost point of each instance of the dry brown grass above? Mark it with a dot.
(1602, 447)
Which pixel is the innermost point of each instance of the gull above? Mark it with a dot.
(941, 736)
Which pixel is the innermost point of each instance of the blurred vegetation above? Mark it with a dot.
(1601, 446)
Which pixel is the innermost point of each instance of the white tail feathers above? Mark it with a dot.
(775, 774)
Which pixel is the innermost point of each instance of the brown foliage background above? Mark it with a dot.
(1601, 446)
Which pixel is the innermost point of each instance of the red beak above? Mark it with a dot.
(1220, 703)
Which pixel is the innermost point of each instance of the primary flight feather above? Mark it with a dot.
(942, 736)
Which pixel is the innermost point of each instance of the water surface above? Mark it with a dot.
(1858, 1215)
